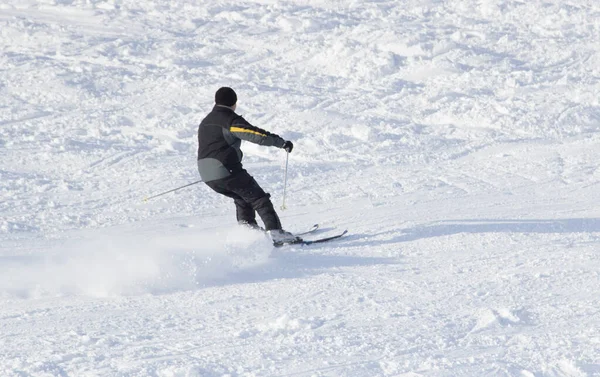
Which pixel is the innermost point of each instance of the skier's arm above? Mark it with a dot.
(242, 129)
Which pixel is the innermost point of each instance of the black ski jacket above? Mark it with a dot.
(220, 135)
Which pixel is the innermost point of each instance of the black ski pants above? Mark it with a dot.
(249, 198)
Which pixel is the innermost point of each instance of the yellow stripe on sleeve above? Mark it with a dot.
(239, 129)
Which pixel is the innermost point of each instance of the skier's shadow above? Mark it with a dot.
(476, 226)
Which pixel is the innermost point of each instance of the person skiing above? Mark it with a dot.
(220, 164)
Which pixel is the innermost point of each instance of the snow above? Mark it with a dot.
(457, 141)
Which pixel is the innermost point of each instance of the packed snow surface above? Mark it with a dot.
(457, 141)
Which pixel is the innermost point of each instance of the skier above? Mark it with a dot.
(220, 164)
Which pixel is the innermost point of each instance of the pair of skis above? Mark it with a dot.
(302, 241)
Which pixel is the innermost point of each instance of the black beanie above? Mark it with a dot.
(225, 96)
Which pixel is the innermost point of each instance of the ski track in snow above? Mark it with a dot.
(457, 141)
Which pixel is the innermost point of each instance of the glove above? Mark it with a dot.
(288, 146)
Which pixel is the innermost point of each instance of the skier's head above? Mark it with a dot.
(225, 96)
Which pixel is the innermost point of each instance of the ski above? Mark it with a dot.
(324, 239)
(310, 242)
(312, 229)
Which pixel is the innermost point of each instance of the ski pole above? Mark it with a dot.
(287, 158)
(166, 192)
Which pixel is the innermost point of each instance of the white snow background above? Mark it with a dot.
(458, 142)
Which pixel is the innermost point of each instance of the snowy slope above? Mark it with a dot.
(458, 141)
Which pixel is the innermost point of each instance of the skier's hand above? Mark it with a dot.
(288, 146)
